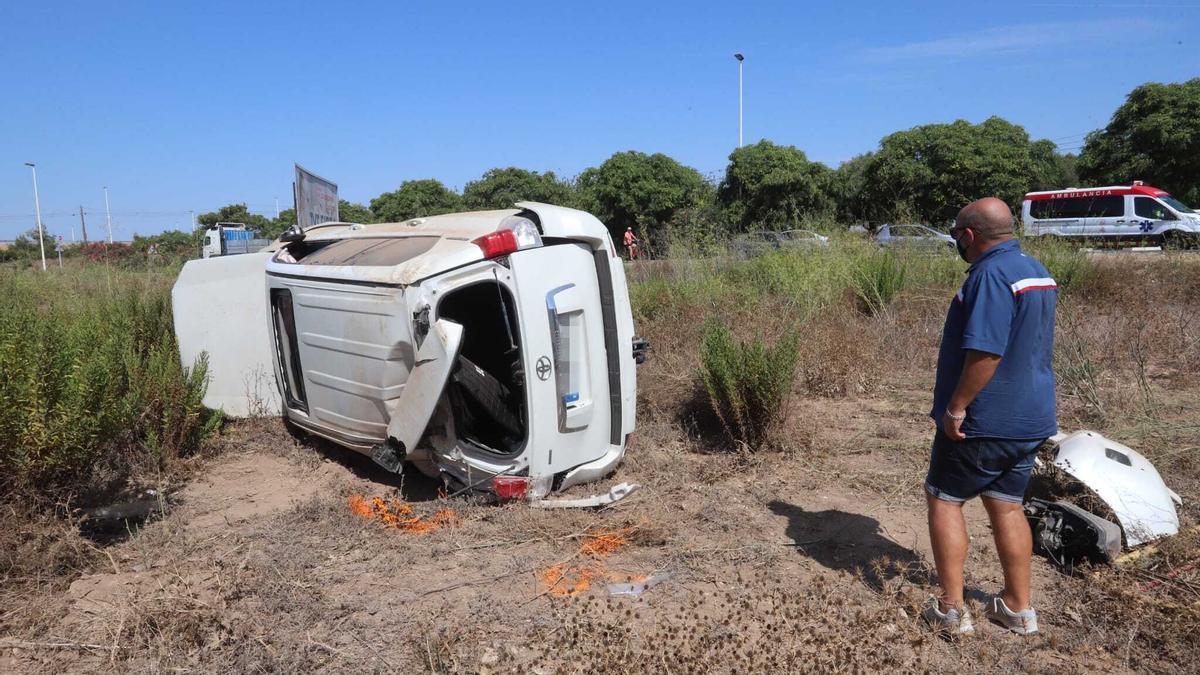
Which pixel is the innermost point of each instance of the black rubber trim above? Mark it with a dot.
(331, 280)
(608, 311)
(289, 362)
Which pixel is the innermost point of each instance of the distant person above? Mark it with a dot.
(993, 403)
(631, 244)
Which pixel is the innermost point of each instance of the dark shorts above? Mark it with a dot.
(993, 467)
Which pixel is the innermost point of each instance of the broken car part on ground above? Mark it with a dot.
(1092, 493)
(493, 349)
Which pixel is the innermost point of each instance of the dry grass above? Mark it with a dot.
(812, 559)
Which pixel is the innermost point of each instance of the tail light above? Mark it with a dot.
(515, 233)
(510, 487)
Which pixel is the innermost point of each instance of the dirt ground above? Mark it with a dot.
(813, 557)
(810, 560)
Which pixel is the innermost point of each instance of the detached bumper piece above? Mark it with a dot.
(616, 494)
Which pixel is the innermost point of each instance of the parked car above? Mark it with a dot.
(494, 349)
(916, 236)
(1115, 214)
(757, 243)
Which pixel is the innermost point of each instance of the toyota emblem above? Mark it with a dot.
(542, 368)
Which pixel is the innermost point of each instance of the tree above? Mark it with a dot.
(930, 172)
(1154, 136)
(847, 187)
(501, 188)
(633, 189)
(415, 198)
(349, 212)
(236, 213)
(770, 186)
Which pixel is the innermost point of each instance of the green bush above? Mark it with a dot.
(90, 380)
(748, 384)
(876, 279)
(1070, 266)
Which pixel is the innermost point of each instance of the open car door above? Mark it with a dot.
(220, 309)
(566, 362)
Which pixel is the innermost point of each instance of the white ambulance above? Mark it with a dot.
(1116, 214)
(494, 349)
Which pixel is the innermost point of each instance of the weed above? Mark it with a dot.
(876, 280)
(748, 383)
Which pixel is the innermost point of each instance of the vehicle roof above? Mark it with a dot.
(1106, 191)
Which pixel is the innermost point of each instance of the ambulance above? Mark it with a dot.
(1116, 214)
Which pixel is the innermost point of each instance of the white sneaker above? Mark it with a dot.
(1023, 622)
(950, 621)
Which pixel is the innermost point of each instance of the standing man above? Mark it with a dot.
(993, 403)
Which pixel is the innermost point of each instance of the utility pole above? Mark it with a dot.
(37, 205)
(193, 214)
(277, 208)
(82, 227)
(740, 58)
(108, 215)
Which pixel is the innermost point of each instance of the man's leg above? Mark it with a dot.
(1014, 544)
(948, 535)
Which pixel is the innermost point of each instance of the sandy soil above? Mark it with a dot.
(813, 559)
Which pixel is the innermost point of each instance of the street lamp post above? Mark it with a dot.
(108, 215)
(37, 205)
(740, 58)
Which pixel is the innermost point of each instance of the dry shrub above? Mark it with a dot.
(838, 355)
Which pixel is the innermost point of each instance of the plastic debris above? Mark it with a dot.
(634, 590)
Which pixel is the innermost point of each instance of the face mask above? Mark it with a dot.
(962, 248)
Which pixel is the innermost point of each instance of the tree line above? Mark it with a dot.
(923, 174)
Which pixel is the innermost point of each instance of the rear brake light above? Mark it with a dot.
(497, 244)
(515, 233)
(510, 487)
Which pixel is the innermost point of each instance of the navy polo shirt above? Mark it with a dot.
(1005, 307)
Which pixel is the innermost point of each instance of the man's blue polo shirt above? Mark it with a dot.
(1005, 307)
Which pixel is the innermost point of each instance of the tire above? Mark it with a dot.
(1174, 240)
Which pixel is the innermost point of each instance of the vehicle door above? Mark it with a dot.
(1149, 217)
(566, 362)
(1105, 218)
(221, 311)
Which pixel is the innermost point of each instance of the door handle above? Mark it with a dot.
(1120, 221)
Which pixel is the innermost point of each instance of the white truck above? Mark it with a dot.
(230, 239)
(494, 349)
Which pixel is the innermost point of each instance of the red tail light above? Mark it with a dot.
(496, 244)
(510, 487)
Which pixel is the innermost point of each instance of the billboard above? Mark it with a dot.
(316, 199)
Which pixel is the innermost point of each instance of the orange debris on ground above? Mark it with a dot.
(398, 515)
(563, 580)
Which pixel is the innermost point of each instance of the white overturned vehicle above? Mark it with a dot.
(494, 349)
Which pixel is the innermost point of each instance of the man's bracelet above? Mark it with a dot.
(956, 418)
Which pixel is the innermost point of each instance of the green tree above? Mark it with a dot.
(236, 213)
(415, 198)
(847, 187)
(1155, 137)
(931, 171)
(501, 188)
(349, 212)
(770, 186)
(633, 189)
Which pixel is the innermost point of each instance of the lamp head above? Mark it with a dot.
(738, 56)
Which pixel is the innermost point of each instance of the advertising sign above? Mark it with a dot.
(316, 199)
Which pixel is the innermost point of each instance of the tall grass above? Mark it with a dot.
(748, 383)
(91, 386)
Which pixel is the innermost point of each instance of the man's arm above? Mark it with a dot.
(978, 369)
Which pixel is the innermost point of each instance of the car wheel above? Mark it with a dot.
(1174, 240)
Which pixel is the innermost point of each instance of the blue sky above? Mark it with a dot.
(179, 106)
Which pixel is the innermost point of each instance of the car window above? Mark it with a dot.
(1106, 207)
(1148, 207)
(1063, 207)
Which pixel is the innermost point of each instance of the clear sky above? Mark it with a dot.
(188, 106)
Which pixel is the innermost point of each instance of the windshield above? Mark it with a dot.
(1175, 204)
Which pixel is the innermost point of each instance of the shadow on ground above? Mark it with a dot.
(412, 485)
(850, 542)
